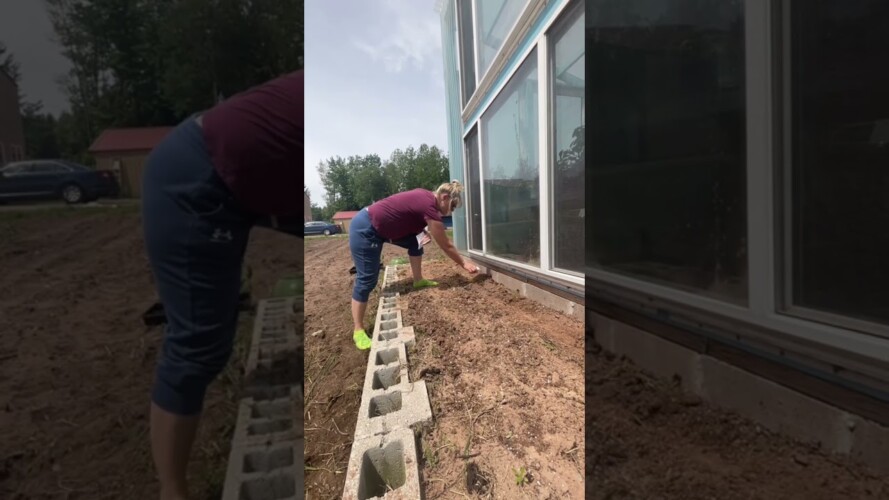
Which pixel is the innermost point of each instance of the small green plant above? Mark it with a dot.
(549, 345)
(430, 455)
(521, 476)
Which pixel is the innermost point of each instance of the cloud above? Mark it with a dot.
(414, 40)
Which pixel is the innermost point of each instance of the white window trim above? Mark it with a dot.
(577, 280)
(540, 41)
(550, 127)
(545, 240)
(458, 52)
(474, 45)
(481, 185)
(865, 352)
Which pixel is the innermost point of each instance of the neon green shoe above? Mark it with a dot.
(362, 341)
(424, 283)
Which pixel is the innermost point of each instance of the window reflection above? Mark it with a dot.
(510, 168)
(666, 179)
(567, 81)
(840, 157)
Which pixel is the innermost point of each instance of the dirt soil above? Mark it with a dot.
(76, 362)
(500, 365)
(647, 439)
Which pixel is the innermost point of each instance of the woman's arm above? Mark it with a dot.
(437, 231)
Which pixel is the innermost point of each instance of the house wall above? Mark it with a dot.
(12, 136)
(518, 204)
(132, 164)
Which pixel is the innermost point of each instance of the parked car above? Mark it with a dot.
(321, 227)
(55, 179)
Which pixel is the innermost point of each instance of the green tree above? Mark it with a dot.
(368, 183)
(40, 132)
(317, 212)
(425, 167)
(11, 67)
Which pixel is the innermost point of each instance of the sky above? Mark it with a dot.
(26, 30)
(374, 80)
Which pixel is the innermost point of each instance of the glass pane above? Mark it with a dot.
(511, 168)
(567, 77)
(666, 184)
(474, 207)
(467, 49)
(495, 19)
(840, 157)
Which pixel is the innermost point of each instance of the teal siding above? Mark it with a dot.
(452, 94)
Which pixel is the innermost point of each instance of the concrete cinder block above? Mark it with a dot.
(270, 420)
(387, 321)
(384, 467)
(386, 377)
(387, 353)
(385, 411)
(266, 472)
(403, 335)
(274, 362)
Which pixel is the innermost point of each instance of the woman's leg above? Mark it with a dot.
(195, 236)
(415, 256)
(366, 251)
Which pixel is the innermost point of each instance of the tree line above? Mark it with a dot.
(357, 181)
(138, 63)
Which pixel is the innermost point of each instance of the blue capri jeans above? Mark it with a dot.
(195, 236)
(367, 248)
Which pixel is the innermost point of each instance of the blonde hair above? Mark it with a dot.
(454, 189)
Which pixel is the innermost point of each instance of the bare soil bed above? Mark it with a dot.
(647, 439)
(76, 362)
(501, 365)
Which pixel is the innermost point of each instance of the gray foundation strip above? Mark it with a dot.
(266, 460)
(383, 462)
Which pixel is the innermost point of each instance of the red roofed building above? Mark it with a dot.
(124, 151)
(344, 219)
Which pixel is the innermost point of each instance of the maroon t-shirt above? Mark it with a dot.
(255, 139)
(404, 214)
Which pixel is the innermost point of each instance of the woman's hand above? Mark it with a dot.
(469, 266)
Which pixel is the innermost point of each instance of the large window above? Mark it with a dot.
(494, 21)
(567, 99)
(667, 181)
(838, 182)
(510, 168)
(467, 49)
(474, 205)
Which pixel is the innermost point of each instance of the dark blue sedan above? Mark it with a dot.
(55, 179)
(319, 227)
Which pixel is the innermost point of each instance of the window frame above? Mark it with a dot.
(784, 301)
(564, 20)
(760, 324)
(530, 43)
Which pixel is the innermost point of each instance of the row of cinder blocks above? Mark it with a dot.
(266, 459)
(383, 462)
